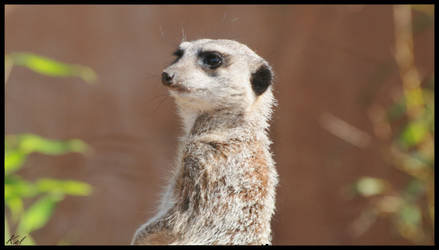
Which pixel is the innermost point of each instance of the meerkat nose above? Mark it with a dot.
(167, 79)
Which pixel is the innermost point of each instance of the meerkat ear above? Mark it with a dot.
(261, 79)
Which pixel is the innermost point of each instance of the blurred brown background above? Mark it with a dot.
(332, 63)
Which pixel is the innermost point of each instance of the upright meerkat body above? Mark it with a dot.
(223, 188)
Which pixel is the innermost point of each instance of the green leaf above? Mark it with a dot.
(34, 143)
(16, 187)
(15, 204)
(410, 215)
(50, 67)
(38, 214)
(414, 133)
(76, 145)
(17, 147)
(14, 160)
(368, 186)
(69, 187)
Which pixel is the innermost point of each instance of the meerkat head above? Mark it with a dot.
(216, 74)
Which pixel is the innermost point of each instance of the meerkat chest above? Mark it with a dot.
(211, 171)
(225, 187)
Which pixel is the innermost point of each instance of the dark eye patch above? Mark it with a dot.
(179, 54)
(211, 59)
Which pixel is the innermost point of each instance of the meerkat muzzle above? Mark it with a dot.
(168, 81)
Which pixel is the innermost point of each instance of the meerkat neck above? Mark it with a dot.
(188, 118)
(198, 123)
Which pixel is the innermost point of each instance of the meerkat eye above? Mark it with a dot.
(212, 59)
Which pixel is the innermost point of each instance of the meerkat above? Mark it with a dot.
(222, 190)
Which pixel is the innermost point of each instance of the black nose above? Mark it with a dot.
(167, 79)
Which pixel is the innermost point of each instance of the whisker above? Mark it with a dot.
(162, 33)
(150, 76)
(160, 103)
(183, 34)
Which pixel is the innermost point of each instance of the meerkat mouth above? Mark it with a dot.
(179, 88)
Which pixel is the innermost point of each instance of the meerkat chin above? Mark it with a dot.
(223, 188)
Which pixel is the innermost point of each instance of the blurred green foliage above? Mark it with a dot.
(369, 186)
(44, 193)
(411, 147)
(49, 67)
